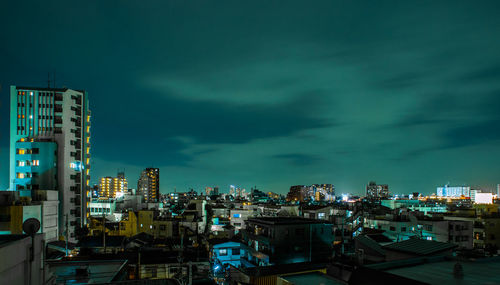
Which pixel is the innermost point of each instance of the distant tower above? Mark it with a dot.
(148, 185)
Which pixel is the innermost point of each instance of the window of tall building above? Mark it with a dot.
(20, 175)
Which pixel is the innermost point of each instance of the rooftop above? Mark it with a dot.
(481, 271)
(45, 89)
(85, 272)
(419, 246)
(311, 278)
(284, 221)
(6, 239)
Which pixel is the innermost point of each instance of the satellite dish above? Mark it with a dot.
(31, 226)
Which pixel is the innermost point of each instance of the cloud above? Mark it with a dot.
(154, 133)
(298, 159)
(484, 74)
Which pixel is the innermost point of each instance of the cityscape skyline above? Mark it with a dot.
(273, 102)
(262, 142)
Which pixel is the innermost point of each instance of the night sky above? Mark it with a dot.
(271, 93)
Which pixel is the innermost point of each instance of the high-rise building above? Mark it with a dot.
(315, 192)
(377, 191)
(113, 187)
(453, 191)
(50, 148)
(148, 185)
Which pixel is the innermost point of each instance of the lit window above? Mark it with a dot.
(22, 151)
(223, 251)
(36, 162)
(31, 116)
(20, 175)
(20, 163)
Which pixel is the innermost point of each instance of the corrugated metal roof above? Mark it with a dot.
(370, 243)
(420, 246)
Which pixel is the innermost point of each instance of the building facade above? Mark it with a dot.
(285, 240)
(453, 191)
(315, 192)
(148, 185)
(50, 130)
(377, 191)
(113, 187)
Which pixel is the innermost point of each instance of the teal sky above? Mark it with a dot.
(271, 93)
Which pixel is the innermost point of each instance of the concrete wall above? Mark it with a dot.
(17, 268)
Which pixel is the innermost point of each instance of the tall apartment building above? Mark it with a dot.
(148, 185)
(113, 187)
(377, 191)
(50, 148)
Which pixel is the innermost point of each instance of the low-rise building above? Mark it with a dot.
(284, 240)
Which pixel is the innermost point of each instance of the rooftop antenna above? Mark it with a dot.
(54, 81)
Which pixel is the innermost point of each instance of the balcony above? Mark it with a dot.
(78, 110)
(76, 154)
(76, 177)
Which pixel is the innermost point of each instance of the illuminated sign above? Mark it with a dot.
(76, 165)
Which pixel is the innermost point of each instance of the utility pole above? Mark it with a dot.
(310, 243)
(66, 231)
(343, 221)
(104, 231)
(190, 279)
